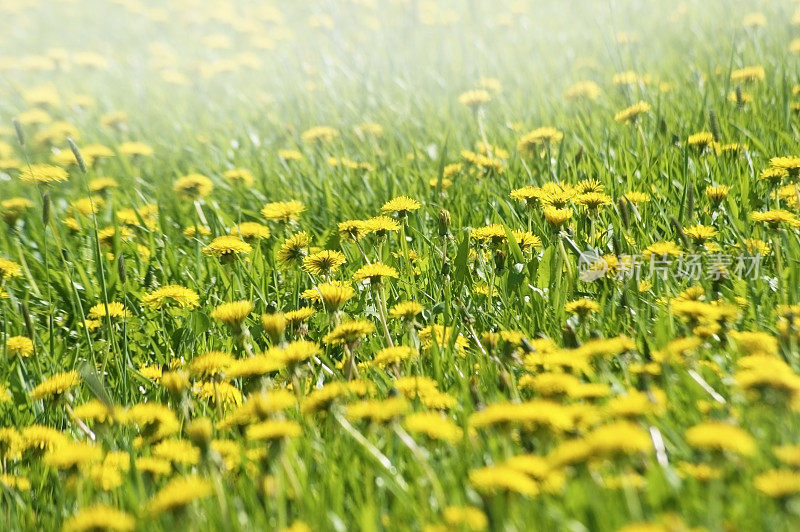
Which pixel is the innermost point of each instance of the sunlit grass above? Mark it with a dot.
(399, 265)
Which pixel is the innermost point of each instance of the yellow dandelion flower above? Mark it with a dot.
(274, 430)
(593, 200)
(55, 385)
(177, 452)
(251, 231)
(748, 74)
(11, 443)
(240, 176)
(193, 186)
(466, 518)
(349, 332)
(43, 174)
(233, 313)
(332, 295)
(375, 273)
(100, 517)
(19, 346)
(154, 420)
(323, 262)
(699, 472)
(295, 352)
(637, 197)
(41, 438)
(380, 226)
(406, 310)
(393, 355)
(494, 479)
(253, 367)
(274, 324)
(295, 317)
(442, 336)
(718, 436)
(702, 139)
(532, 141)
(717, 193)
(193, 231)
(95, 410)
(630, 114)
(178, 493)
(369, 128)
(583, 90)
(321, 398)
(102, 185)
(210, 364)
(433, 425)
(73, 456)
(474, 98)
(283, 211)
(536, 413)
(171, 296)
(227, 246)
(582, 307)
(778, 483)
(788, 454)
(113, 310)
(155, 467)
(290, 155)
(294, 249)
(378, 410)
(218, 392)
(557, 217)
(774, 174)
(776, 217)
(11, 209)
(15, 482)
(494, 233)
(790, 164)
(9, 269)
(701, 233)
(319, 134)
(352, 229)
(401, 205)
(661, 249)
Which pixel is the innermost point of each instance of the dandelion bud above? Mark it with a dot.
(45, 208)
(274, 324)
(690, 201)
(19, 131)
(500, 260)
(446, 269)
(77, 153)
(444, 222)
(175, 381)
